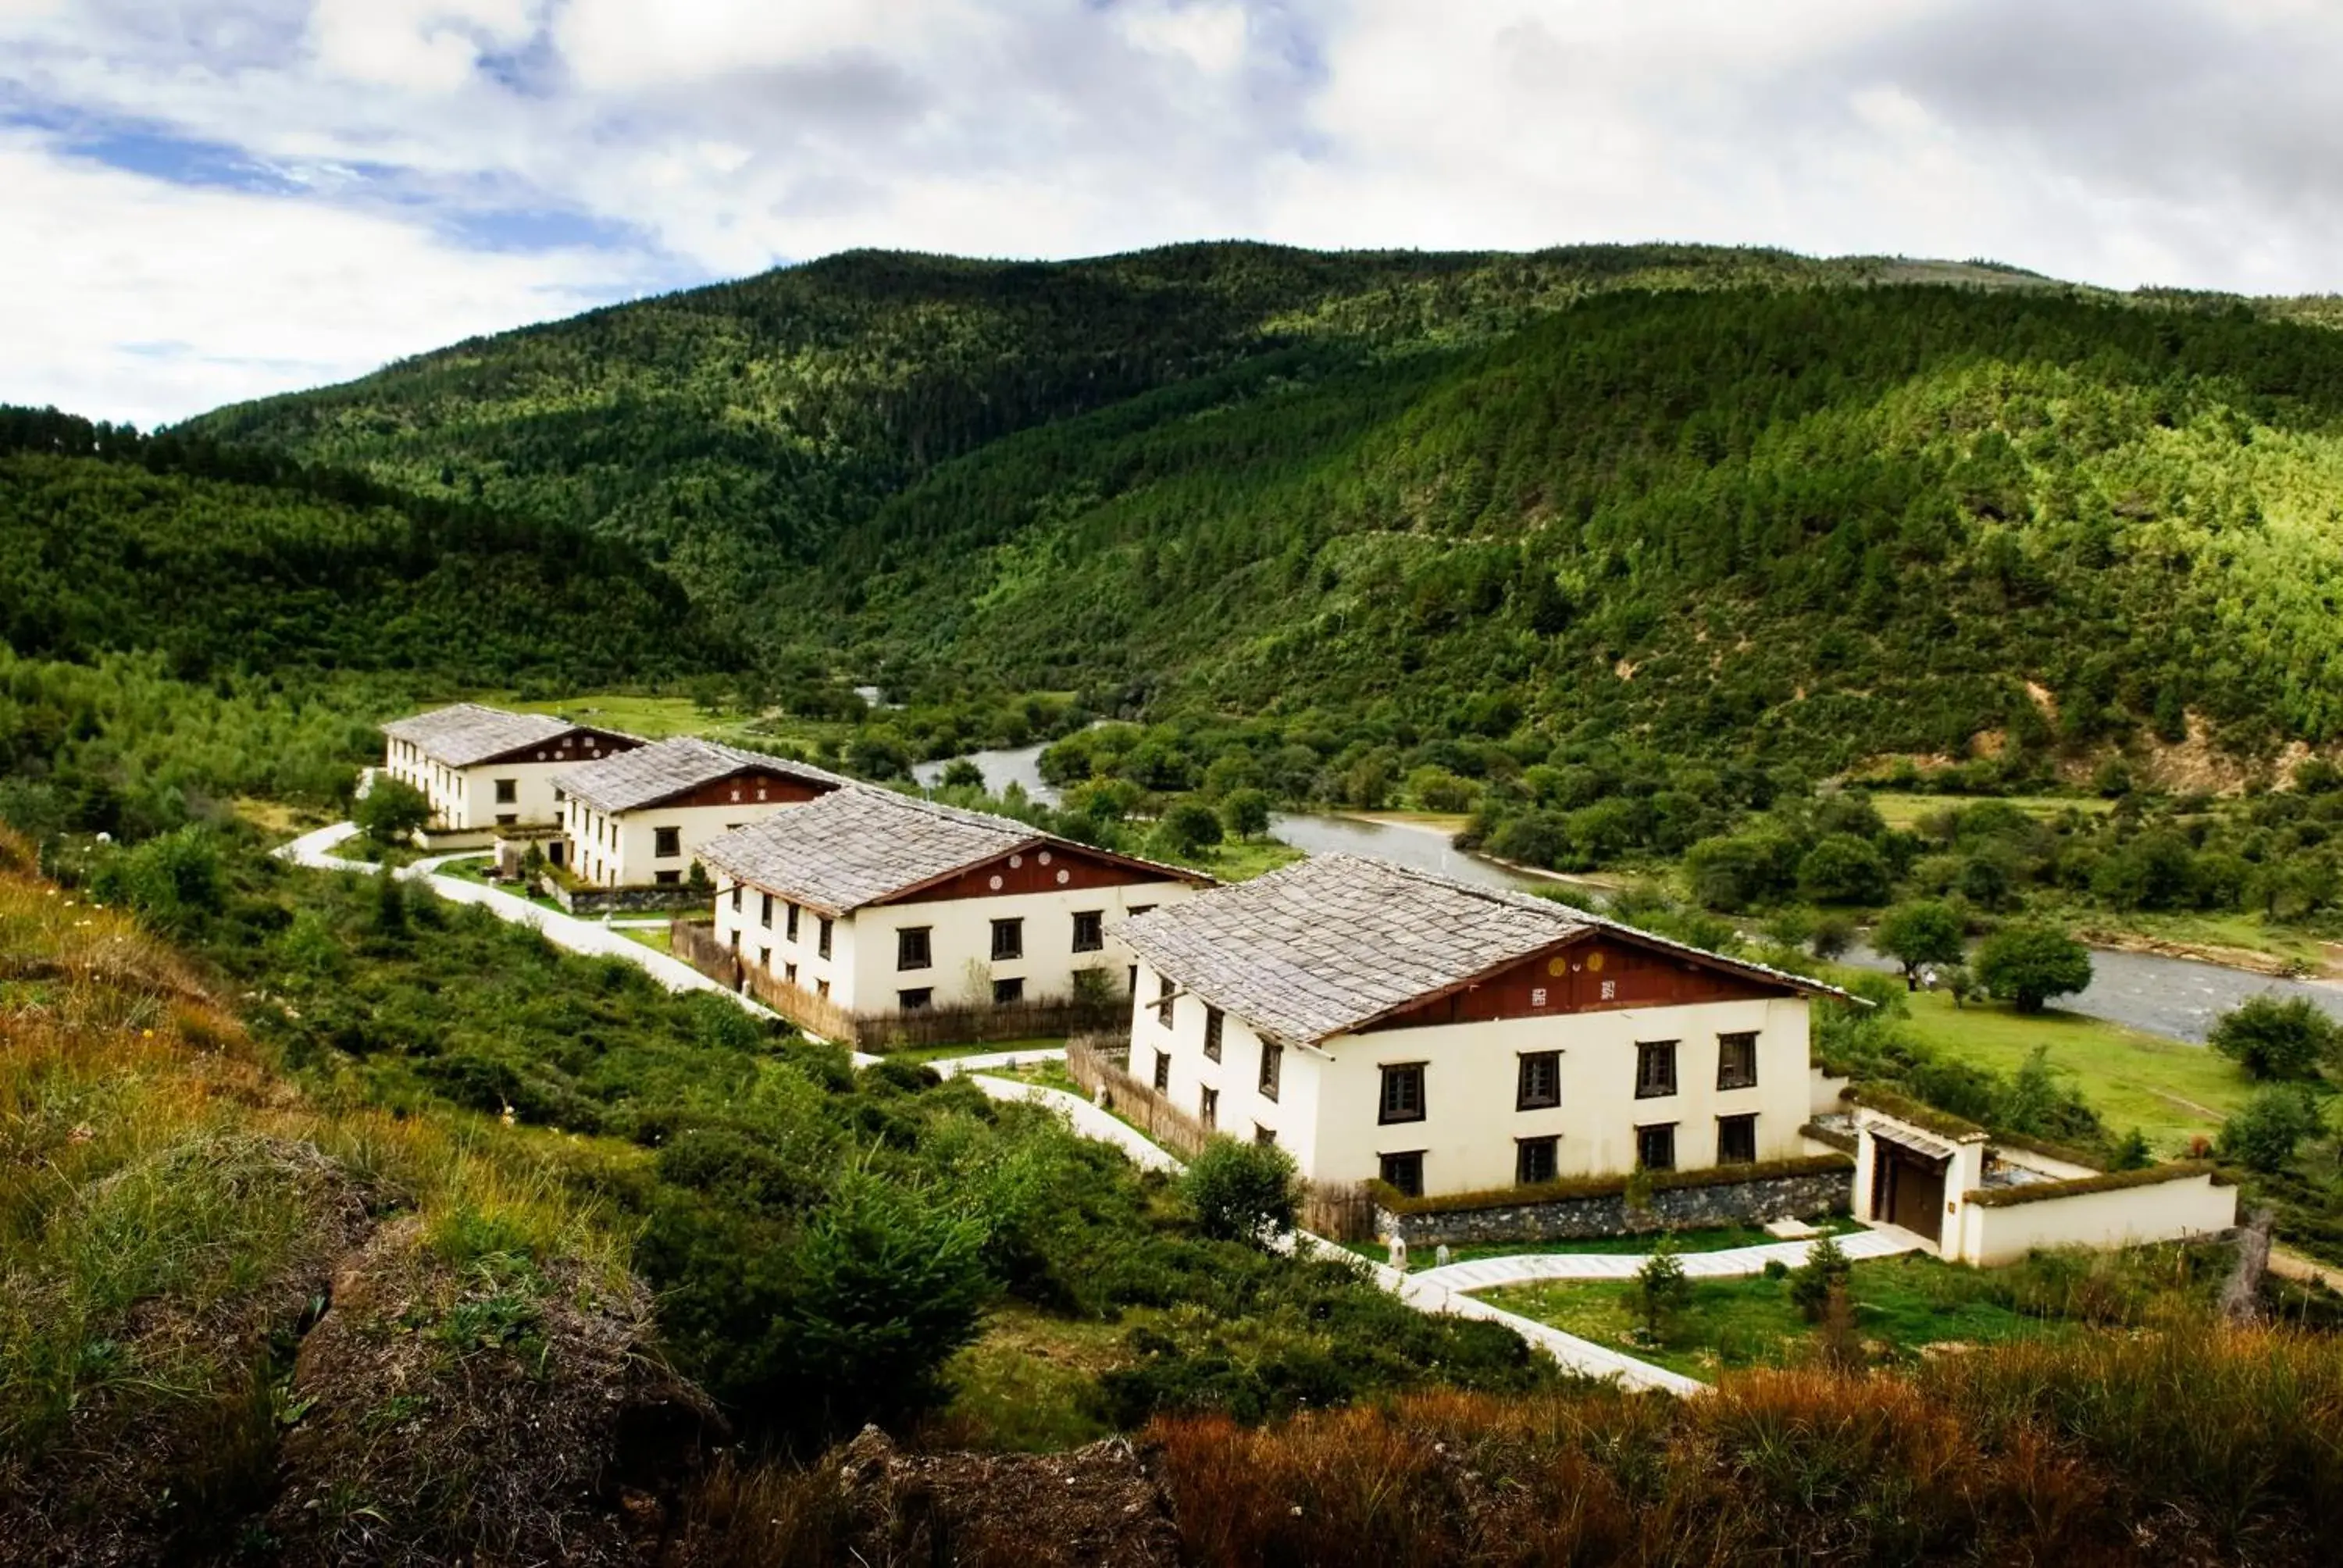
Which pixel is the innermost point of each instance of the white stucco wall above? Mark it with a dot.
(620, 851)
(2126, 1216)
(1327, 1110)
(465, 799)
(960, 943)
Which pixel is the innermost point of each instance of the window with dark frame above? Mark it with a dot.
(1008, 940)
(508, 818)
(914, 947)
(1005, 991)
(507, 792)
(667, 843)
(1404, 1172)
(915, 1000)
(1212, 1029)
(821, 939)
(1264, 1136)
(1736, 1140)
(1655, 1146)
(765, 910)
(1272, 1068)
(1163, 1072)
(792, 923)
(1656, 1069)
(667, 878)
(1541, 1081)
(1402, 1095)
(789, 973)
(1089, 930)
(736, 898)
(1535, 1161)
(1163, 994)
(1736, 1062)
(1208, 1106)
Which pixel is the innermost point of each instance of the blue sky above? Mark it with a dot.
(206, 200)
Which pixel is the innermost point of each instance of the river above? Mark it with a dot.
(2175, 997)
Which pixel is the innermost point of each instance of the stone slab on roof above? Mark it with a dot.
(465, 732)
(863, 846)
(647, 775)
(1331, 943)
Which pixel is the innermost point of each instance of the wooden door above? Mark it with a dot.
(1916, 1190)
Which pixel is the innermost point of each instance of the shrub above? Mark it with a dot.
(1844, 870)
(391, 811)
(1812, 1282)
(1922, 932)
(959, 773)
(2274, 1039)
(174, 881)
(1832, 935)
(1190, 826)
(2027, 965)
(1246, 813)
(2264, 1131)
(1660, 1292)
(1241, 1190)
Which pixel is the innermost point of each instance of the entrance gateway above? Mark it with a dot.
(1907, 1185)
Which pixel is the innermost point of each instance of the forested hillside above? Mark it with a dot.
(1851, 520)
(734, 432)
(1826, 509)
(225, 559)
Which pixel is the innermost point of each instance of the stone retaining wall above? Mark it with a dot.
(662, 899)
(1607, 1213)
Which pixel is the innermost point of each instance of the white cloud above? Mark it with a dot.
(130, 298)
(2193, 143)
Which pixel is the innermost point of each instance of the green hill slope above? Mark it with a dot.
(112, 543)
(1851, 520)
(734, 432)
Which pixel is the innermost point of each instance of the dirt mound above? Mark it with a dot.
(1102, 1506)
(166, 1445)
(482, 1408)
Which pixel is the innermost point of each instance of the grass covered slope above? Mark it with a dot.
(1842, 521)
(114, 543)
(734, 431)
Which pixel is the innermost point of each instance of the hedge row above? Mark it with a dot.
(1393, 1201)
(2111, 1181)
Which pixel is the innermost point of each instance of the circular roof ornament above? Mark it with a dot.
(1044, 858)
(996, 884)
(1065, 877)
(1015, 861)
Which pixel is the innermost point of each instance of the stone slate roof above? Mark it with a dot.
(647, 775)
(862, 846)
(466, 732)
(1331, 943)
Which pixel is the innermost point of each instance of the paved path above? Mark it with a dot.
(993, 1061)
(1522, 1267)
(1088, 1120)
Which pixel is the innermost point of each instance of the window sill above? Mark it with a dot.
(1669, 1093)
(1388, 1121)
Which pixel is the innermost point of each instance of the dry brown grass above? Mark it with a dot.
(2192, 1445)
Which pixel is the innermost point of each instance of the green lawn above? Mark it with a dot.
(1901, 1304)
(2168, 1089)
(1712, 1239)
(655, 938)
(1025, 1384)
(661, 718)
(1902, 810)
(1241, 862)
(944, 1052)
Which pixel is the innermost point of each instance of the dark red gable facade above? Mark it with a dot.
(1594, 973)
(1051, 868)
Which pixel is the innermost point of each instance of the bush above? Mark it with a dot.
(1826, 1269)
(1246, 813)
(2264, 1132)
(1844, 870)
(1242, 1191)
(2274, 1039)
(391, 811)
(2028, 965)
(1660, 1292)
(174, 881)
(1190, 826)
(1925, 931)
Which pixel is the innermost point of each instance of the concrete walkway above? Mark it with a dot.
(1522, 1268)
(993, 1061)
